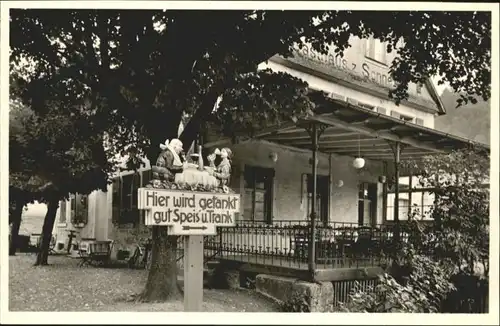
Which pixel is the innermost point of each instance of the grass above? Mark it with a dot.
(63, 286)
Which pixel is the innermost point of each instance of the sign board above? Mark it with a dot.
(187, 212)
(192, 214)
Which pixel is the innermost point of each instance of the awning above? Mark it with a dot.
(352, 130)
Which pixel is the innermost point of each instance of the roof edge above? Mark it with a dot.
(435, 96)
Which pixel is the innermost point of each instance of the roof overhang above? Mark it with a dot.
(359, 84)
(352, 130)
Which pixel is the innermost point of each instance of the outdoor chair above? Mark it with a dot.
(345, 238)
(96, 253)
(365, 243)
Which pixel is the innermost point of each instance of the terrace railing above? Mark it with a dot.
(286, 243)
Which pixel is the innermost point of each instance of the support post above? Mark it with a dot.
(312, 240)
(384, 195)
(315, 134)
(193, 273)
(397, 153)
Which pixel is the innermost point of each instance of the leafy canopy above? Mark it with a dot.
(50, 158)
(139, 72)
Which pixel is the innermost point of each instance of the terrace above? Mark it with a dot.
(284, 247)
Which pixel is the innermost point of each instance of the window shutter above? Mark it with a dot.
(146, 177)
(370, 48)
(381, 110)
(352, 101)
(136, 185)
(116, 200)
(84, 199)
(395, 114)
(62, 211)
(419, 121)
(79, 209)
(304, 195)
(72, 205)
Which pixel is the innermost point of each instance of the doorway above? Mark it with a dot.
(367, 203)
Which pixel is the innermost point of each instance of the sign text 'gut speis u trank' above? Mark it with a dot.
(188, 212)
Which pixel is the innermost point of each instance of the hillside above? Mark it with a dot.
(471, 121)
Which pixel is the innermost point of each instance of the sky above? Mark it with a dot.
(439, 88)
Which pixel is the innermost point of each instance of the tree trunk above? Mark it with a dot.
(16, 224)
(162, 278)
(161, 284)
(48, 225)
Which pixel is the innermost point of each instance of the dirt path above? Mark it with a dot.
(63, 286)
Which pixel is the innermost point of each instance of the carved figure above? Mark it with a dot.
(223, 171)
(169, 162)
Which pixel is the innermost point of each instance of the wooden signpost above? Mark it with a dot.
(192, 215)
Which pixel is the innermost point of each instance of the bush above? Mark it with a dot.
(297, 303)
(445, 252)
(424, 290)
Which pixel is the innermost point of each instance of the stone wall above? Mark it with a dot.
(317, 296)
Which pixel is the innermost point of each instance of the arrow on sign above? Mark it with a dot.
(187, 227)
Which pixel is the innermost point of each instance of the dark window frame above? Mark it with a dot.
(410, 190)
(125, 197)
(252, 176)
(76, 209)
(372, 193)
(323, 192)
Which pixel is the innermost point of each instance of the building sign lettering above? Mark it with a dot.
(365, 69)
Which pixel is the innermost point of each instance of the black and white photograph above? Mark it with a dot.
(326, 158)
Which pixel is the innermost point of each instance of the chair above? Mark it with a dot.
(97, 252)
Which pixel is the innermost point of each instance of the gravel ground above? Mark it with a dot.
(63, 286)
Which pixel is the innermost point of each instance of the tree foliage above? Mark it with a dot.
(49, 158)
(139, 71)
(461, 210)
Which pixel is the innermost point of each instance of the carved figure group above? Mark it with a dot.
(171, 162)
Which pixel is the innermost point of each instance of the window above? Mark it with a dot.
(62, 211)
(116, 199)
(376, 50)
(412, 199)
(79, 209)
(124, 201)
(367, 203)
(322, 195)
(380, 109)
(257, 197)
(403, 117)
(367, 106)
(403, 206)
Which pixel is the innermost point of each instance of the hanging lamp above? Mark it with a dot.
(358, 162)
